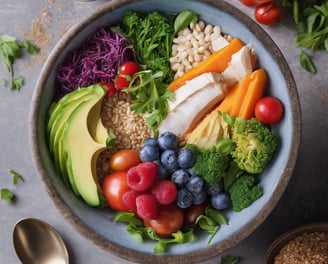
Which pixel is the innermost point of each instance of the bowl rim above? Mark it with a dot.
(202, 254)
(288, 236)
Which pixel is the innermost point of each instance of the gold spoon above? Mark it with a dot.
(38, 242)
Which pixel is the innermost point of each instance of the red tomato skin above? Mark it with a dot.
(124, 159)
(269, 110)
(267, 13)
(121, 82)
(129, 68)
(111, 88)
(255, 2)
(169, 220)
(192, 212)
(114, 186)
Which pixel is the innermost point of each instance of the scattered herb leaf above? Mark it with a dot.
(229, 259)
(10, 50)
(7, 195)
(307, 63)
(16, 177)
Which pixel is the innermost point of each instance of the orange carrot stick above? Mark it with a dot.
(217, 62)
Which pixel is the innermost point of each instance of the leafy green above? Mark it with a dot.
(229, 259)
(311, 20)
(10, 50)
(140, 232)
(151, 36)
(211, 222)
(7, 195)
(307, 63)
(149, 96)
(16, 177)
(184, 19)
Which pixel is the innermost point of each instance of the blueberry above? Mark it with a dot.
(148, 153)
(169, 159)
(186, 158)
(221, 201)
(191, 172)
(151, 141)
(200, 197)
(167, 140)
(180, 177)
(195, 184)
(184, 198)
(213, 190)
(161, 171)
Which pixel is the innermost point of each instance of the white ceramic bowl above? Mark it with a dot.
(94, 223)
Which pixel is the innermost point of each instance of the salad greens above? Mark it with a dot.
(10, 50)
(311, 20)
(210, 222)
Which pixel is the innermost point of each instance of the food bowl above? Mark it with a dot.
(94, 223)
(305, 240)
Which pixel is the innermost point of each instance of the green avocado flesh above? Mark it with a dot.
(73, 126)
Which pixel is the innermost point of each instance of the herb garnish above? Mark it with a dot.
(6, 194)
(311, 20)
(10, 50)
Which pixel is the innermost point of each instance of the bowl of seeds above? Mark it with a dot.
(303, 244)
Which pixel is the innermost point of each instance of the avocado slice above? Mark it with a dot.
(56, 134)
(80, 149)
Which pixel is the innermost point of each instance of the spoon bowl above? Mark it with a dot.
(38, 242)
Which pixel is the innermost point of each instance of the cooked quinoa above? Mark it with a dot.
(129, 128)
(309, 248)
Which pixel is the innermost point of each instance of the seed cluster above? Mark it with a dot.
(193, 45)
(129, 128)
(308, 248)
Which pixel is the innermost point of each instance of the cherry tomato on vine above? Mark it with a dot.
(269, 110)
(168, 221)
(124, 159)
(113, 187)
(254, 2)
(267, 13)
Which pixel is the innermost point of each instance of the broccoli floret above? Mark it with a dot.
(255, 144)
(244, 191)
(211, 165)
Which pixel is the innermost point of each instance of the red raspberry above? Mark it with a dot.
(142, 176)
(129, 200)
(165, 191)
(147, 206)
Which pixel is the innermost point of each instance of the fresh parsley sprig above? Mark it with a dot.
(6, 194)
(10, 50)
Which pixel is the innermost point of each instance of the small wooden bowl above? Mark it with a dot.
(285, 238)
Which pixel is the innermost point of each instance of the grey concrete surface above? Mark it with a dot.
(304, 201)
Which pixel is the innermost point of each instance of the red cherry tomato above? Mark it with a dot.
(269, 110)
(254, 2)
(111, 88)
(124, 159)
(128, 68)
(267, 13)
(121, 82)
(125, 73)
(192, 212)
(168, 221)
(114, 186)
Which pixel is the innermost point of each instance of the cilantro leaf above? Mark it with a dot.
(7, 195)
(10, 50)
